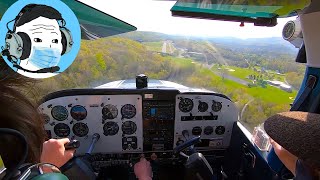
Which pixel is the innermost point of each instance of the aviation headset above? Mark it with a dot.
(26, 170)
(18, 45)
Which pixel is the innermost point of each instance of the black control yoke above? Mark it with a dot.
(188, 143)
(197, 166)
(80, 168)
(74, 144)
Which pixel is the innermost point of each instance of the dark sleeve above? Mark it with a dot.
(303, 172)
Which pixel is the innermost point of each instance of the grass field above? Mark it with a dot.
(269, 94)
(243, 73)
(154, 46)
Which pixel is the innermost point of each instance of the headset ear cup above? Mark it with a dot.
(64, 43)
(26, 46)
(66, 40)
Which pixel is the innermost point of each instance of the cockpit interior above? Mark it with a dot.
(185, 133)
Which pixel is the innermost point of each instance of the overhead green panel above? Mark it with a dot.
(238, 10)
(94, 23)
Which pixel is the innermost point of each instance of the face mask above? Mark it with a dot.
(43, 57)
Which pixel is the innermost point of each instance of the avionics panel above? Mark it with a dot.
(158, 121)
(207, 115)
(116, 118)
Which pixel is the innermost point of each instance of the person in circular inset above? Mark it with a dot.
(37, 41)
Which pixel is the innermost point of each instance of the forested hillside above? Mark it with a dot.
(109, 59)
(125, 56)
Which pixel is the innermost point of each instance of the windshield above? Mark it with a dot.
(253, 66)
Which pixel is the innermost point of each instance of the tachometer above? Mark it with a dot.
(129, 127)
(61, 130)
(80, 129)
(109, 112)
(128, 111)
(110, 128)
(78, 112)
(59, 113)
(216, 106)
(185, 105)
(203, 106)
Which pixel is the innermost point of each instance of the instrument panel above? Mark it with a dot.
(117, 118)
(208, 116)
(136, 121)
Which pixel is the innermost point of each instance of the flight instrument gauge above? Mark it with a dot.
(203, 106)
(216, 106)
(59, 113)
(129, 127)
(185, 105)
(46, 118)
(110, 128)
(208, 130)
(220, 130)
(61, 130)
(109, 111)
(128, 111)
(80, 129)
(78, 112)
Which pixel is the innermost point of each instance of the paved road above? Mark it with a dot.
(238, 80)
(164, 47)
(167, 47)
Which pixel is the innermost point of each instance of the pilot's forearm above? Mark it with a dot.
(290, 162)
(145, 178)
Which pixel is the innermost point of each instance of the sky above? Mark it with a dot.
(149, 15)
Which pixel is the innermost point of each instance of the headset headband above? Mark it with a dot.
(33, 11)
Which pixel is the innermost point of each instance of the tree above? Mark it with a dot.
(101, 62)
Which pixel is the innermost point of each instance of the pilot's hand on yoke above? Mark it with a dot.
(55, 153)
(143, 170)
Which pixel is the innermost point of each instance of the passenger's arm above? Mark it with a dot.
(288, 159)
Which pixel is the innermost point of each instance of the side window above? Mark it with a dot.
(272, 87)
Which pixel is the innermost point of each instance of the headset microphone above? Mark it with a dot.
(52, 69)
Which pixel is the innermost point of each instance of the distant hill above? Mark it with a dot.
(144, 36)
(272, 47)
